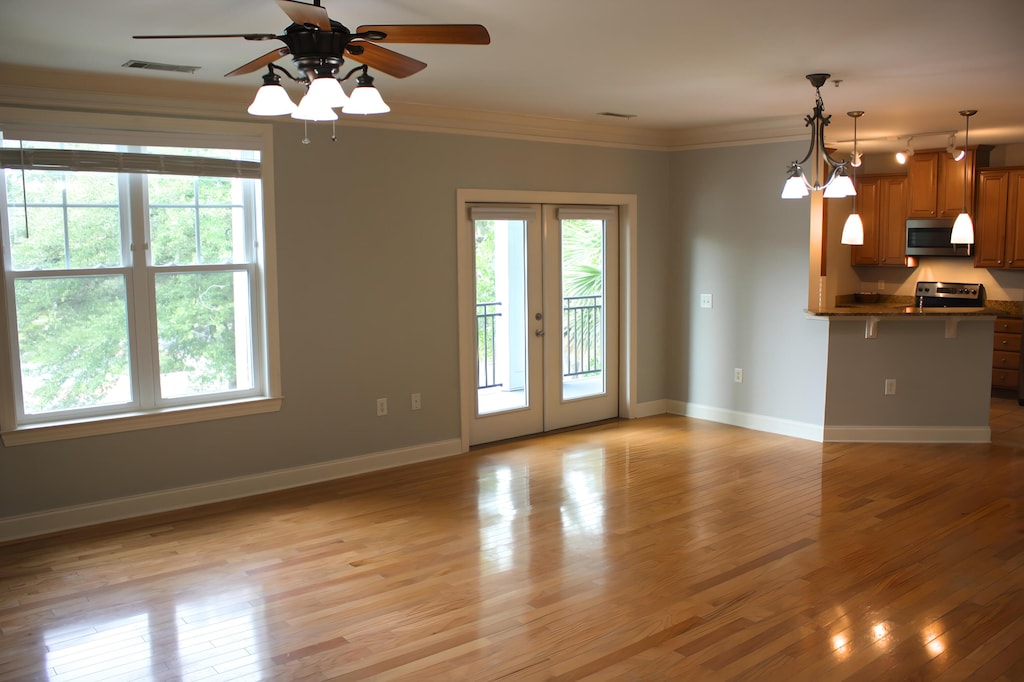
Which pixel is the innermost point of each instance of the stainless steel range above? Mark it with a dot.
(949, 295)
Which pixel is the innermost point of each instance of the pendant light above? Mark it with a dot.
(853, 229)
(963, 227)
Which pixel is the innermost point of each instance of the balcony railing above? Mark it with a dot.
(581, 336)
(486, 317)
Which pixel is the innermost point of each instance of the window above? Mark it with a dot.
(134, 280)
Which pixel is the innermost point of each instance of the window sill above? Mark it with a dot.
(42, 433)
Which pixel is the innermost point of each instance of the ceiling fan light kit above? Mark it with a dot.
(319, 45)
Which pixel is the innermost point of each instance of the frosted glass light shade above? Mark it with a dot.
(310, 110)
(326, 91)
(841, 186)
(795, 188)
(963, 230)
(365, 99)
(271, 100)
(853, 230)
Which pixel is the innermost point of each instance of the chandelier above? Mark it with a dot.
(827, 173)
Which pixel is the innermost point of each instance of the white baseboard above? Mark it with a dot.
(65, 518)
(648, 409)
(908, 434)
(757, 422)
(835, 434)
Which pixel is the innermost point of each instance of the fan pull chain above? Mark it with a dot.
(334, 132)
(305, 132)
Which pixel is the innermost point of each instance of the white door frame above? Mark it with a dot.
(627, 204)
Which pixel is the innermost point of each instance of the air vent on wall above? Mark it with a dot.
(155, 66)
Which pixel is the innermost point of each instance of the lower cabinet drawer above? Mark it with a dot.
(1004, 378)
(1010, 342)
(1005, 360)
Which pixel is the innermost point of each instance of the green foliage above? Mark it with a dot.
(196, 320)
(73, 337)
(582, 257)
(73, 330)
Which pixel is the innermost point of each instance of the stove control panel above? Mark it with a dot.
(950, 293)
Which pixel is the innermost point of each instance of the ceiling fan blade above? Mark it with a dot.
(451, 34)
(305, 14)
(385, 60)
(247, 36)
(259, 62)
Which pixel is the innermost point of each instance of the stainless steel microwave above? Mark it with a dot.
(930, 237)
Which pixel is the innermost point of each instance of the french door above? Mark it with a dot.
(545, 281)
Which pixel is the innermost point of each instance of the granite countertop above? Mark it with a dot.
(904, 311)
(905, 307)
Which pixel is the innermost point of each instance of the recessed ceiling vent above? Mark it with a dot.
(615, 115)
(156, 66)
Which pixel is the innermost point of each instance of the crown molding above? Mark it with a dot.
(178, 97)
(57, 90)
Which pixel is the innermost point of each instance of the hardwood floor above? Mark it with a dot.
(654, 549)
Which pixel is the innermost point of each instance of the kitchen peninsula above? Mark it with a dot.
(899, 372)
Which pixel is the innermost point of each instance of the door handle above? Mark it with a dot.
(538, 332)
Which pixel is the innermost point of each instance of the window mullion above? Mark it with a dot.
(141, 296)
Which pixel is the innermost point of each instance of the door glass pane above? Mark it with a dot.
(583, 342)
(73, 342)
(501, 318)
(203, 325)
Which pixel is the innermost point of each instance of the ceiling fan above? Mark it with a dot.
(319, 45)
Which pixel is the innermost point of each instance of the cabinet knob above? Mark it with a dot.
(1004, 342)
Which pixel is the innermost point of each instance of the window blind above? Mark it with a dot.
(125, 162)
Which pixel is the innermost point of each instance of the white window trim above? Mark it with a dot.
(157, 131)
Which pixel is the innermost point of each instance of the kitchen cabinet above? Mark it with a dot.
(1006, 354)
(935, 182)
(999, 219)
(881, 202)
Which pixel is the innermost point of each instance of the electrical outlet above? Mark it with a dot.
(890, 387)
(382, 407)
(737, 375)
(414, 401)
(881, 285)
(705, 301)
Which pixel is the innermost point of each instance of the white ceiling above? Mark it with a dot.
(715, 69)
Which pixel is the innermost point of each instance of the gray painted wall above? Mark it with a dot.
(367, 291)
(949, 389)
(738, 241)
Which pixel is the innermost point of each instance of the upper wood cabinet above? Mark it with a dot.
(881, 202)
(999, 219)
(935, 182)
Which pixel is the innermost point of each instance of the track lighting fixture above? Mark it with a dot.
(853, 229)
(902, 156)
(826, 173)
(963, 226)
(957, 154)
